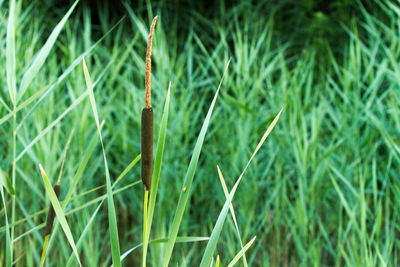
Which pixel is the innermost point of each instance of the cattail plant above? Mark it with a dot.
(51, 214)
(147, 135)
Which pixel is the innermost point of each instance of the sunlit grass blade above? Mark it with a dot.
(157, 168)
(217, 262)
(208, 254)
(114, 240)
(241, 252)
(59, 212)
(184, 195)
(226, 192)
(10, 55)
(43, 53)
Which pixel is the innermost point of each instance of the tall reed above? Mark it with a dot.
(147, 133)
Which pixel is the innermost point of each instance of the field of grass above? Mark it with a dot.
(321, 191)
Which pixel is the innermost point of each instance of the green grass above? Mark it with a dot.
(322, 190)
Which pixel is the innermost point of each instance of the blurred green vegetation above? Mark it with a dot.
(323, 190)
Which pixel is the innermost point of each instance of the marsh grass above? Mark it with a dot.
(322, 190)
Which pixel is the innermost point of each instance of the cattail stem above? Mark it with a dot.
(46, 240)
(145, 204)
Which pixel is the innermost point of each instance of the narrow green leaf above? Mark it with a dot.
(10, 55)
(6, 183)
(205, 261)
(241, 253)
(59, 212)
(157, 168)
(226, 192)
(184, 196)
(112, 219)
(43, 53)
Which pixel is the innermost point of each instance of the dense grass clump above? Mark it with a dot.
(322, 190)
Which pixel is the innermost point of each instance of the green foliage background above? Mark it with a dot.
(324, 189)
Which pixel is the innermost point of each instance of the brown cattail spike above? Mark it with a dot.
(148, 64)
(51, 214)
(147, 147)
(147, 119)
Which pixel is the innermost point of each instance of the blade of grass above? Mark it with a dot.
(10, 56)
(226, 192)
(205, 261)
(59, 212)
(157, 168)
(241, 253)
(184, 195)
(43, 53)
(111, 209)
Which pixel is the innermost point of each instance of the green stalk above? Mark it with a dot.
(13, 182)
(145, 202)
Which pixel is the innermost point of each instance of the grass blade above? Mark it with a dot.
(59, 212)
(241, 253)
(184, 196)
(157, 168)
(10, 56)
(112, 219)
(43, 53)
(206, 260)
(226, 192)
